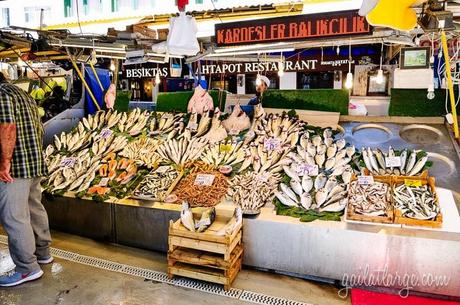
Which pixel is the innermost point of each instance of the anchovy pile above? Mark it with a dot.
(252, 191)
(410, 164)
(155, 185)
(416, 202)
(370, 200)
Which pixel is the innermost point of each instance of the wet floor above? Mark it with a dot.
(66, 282)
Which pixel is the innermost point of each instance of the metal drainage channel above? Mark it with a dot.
(239, 294)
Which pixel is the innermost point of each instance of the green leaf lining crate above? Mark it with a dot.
(206, 256)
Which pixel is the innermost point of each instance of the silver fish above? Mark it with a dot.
(418, 166)
(284, 199)
(320, 197)
(306, 201)
(296, 186)
(411, 161)
(307, 183)
(186, 217)
(287, 190)
(320, 181)
(320, 158)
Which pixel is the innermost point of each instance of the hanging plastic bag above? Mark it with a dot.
(182, 36)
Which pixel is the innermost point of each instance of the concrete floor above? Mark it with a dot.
(80, 284)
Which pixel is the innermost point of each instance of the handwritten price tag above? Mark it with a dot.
(105, 133)
(204, 179)
(272, 144)
(412, 182)
(365, 180)
(68, 162)
(393, 161)
(307, 169)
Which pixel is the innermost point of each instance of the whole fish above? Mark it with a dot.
(329, 163)
(207, 218)
(287, 190)
(293, 175)
(403, 157)
(350, 151)
(320, 158)
(411, 161)
(331, 151)
(320, 197)
(307, 183)
(306, 201)
(372, 159)
(296, 186)
(331, 183)
(380, 158)
(320, 181)
(284, 199)
(341, 143)
(186, 217)
(418, 166)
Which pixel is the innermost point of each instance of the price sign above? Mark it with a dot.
(305, 169)
(393, 161)
(204, 179)
(272, 143)
(193, 126)
(104, 182)
(412, 182)
(105, 133)
(365, 180)
(68, 162)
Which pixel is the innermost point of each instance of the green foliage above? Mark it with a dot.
(305, 215)
(178, 101)
(318, 99)
(122, 101)
(413, 102)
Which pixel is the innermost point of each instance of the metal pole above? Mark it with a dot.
(96, 76)
(84, 81)
(449, 82)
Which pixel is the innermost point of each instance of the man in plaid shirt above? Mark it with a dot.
(22, 167)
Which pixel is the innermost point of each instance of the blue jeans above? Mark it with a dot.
(25, 221)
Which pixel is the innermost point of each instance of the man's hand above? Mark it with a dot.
(5, 167)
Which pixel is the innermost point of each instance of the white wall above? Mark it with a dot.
(413, 78)
(288, 81)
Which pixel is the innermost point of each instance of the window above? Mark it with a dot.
(32, 15)
(68, 8)
(5, 21)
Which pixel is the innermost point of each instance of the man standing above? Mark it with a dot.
(22, 214)
(262, 84)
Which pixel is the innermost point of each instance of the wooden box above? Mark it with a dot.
(206, 256)
(400, 219)
(352, 215)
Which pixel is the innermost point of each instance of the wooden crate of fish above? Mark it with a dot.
(212, 253)
(416, 202)
(158, 184)
(370, 203)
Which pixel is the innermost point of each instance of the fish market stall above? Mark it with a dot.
(315, 197)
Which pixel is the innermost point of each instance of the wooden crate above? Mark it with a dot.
(400, 219)
(205, 266)
(206, 256)
(352, 215)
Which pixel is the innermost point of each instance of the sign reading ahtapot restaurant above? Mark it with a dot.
(300, 27)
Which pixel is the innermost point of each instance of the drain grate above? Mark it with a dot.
(259, 298)
(157, 276)
(208, 288)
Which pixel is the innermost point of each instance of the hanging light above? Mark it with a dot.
(112, 66)
(349, 81)
(338, 50)
(379, 79)
(258, 80)
(281, 66)
(157, 77)
(430, 95)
